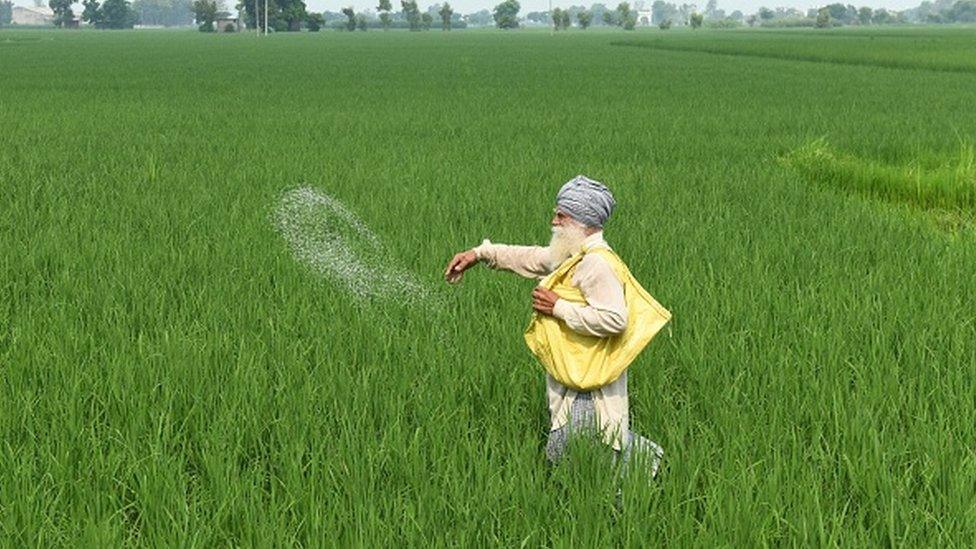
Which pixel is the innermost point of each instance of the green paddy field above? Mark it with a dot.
(170, 375)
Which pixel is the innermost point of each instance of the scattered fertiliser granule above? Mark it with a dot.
(335, 244)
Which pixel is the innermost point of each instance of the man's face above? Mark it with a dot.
(560, 218)
(567, 237)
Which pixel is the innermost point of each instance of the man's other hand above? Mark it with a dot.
(544, 300)
(460, 263)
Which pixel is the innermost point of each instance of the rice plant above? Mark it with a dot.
(178, 367)
(923, 182)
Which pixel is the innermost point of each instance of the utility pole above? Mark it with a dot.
(265, 17)
(552, 22)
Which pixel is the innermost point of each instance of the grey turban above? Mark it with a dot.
(587, 201)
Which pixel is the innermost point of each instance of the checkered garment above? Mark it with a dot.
(582, 422)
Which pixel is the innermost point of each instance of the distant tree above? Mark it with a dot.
(711, 10)
(596, 13)
(254, 13)
(737, 16)
(446, 14)
(751, 20)
(314, 22)
(626, 17)
(696, 20)
(963, 11)
(362, 22)
(766, 14)
(823, 18)
(661, 10)
(384, 8)
(623, 10)
(506, 14)
(566, 20)
(787, 13)
(608, 18)
(837, 12)
(426, 19)
(6, 12)
(882, 17)
(118, 14)
(864, 15)
(573, 11)
(204, 13)
(92, 14)
(664, 25)
(350, 14)
(481, 18)
(292, 16)
(584, 18)
(411, 13)
(927, 12)
(62, 11)
(557, 18)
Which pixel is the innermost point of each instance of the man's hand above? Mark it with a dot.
(544, 300)
(460, 263)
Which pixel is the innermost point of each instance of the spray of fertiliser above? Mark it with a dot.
(336, 245)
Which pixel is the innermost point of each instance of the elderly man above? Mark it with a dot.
(591, 319)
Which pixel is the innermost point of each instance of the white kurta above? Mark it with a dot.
(604, 314)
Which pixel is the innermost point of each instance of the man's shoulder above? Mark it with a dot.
(601, 254)
(597, 263)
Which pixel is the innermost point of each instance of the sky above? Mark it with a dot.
(469, 6)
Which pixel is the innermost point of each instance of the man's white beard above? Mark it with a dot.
(566, 240)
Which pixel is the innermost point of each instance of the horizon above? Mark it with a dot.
(471, 6)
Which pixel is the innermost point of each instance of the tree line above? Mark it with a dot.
(666, 14)
(506, 15)
(6, 12)
(109, 14)
(292, 15)
(289, 15)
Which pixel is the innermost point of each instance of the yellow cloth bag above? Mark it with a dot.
(583, 362)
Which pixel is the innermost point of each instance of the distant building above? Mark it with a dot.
(40, 17)
(224, 24)
(35, 17)
(645, 17)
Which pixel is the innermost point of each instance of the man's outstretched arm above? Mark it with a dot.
(527, 261)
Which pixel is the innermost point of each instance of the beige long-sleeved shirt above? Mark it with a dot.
(604, 314)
